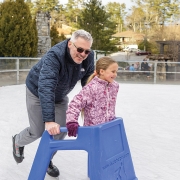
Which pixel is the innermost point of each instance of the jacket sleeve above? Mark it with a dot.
(77, 104)
(47, 84)
(117, 90)
(90, 68)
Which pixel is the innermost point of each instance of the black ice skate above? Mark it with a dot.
(18, 152)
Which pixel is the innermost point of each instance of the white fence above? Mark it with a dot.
(16, 65)
(159, 72)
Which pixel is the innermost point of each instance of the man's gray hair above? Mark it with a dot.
(83, 34)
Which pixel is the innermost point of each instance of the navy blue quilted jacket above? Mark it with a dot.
(55, 75)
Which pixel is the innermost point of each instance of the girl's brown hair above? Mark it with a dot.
(102, 63)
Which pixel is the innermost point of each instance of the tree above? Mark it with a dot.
(71, 12)
(117, 14)
(135, 20)
(159, 11)
(54, 34)
(18, 33)
(62, 37)
(94, 19)
(47, 6)
(55, 38)
(34, 39)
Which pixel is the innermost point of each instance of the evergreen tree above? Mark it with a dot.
(47, 6)
(18, 33)
(96, 20)
(54, 34)
(71, 12)
(62, 37)
(55, 38)
(34, 40)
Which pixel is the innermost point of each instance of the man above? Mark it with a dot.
(145, 67)
(48, 84)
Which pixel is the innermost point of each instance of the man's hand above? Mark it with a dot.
(52, 128)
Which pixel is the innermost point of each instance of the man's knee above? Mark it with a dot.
(37, 134)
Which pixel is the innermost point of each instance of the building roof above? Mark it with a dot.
(129, 34)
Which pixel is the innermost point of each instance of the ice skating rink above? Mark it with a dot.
(151, 115)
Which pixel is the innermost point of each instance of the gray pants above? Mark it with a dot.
(37, 126)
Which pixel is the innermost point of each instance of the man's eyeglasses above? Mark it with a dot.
(80, 50)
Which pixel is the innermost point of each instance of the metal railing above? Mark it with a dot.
(158, 68)
(7, 65)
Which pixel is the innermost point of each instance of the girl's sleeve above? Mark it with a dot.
(77, 104)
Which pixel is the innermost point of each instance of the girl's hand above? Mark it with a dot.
(72, 128)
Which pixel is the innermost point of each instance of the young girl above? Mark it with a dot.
(97, 99)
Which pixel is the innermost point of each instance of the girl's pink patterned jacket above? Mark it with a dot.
(98, 99)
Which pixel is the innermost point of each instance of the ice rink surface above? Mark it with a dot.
(151, 115)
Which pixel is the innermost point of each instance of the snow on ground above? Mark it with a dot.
(152, 122)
